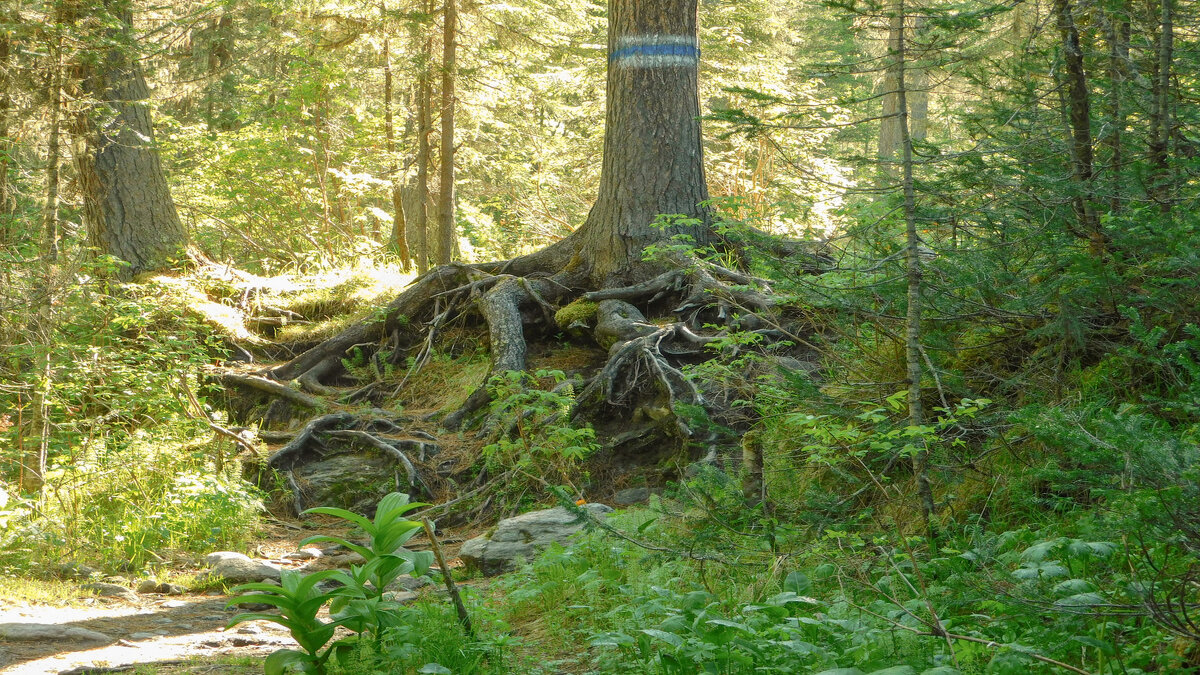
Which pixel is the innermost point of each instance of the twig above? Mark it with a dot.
(463, 617)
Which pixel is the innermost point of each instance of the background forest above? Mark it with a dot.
(969, 444)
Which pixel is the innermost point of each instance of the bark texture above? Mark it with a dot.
(652, 154)
(446, 199)
(130, 213)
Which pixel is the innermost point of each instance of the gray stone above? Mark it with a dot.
(106, 590)
(143, 636)
(171, 589)
(407, 582)
(523, 537)
(212, 559)
(74, 570)
(249, 630)
(147, 586)
(173, 604)
(354, 480)
(239, 569)
(400, 597)
(304, 554)
(631, 496)
(49, 631)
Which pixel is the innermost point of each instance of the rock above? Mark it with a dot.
(173, 604)
(356, 479)
(239, 569)
(400, 597)
(253, 606)
(152, 586)
(215, 557)
(523, 537)
(408, 583)
(249, 630)
(346, 560)
(143, 636)
(74, 570)
(631, 496)
(106, 590)
(304, 554)
(49, 631)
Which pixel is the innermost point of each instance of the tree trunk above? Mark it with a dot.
(53, 147)
(446, 200)
(652, 153)
(1160, 123)
(1118, 35)
(424, 101)
(130, 213)
(1079, 133)
(6, 143)
(398, 240)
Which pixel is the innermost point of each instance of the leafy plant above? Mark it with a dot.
(385, 555)
(299, 601)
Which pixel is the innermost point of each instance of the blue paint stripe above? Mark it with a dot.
(656, 50)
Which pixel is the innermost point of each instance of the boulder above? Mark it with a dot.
(239, 568)
(31, 632)
(522, 537)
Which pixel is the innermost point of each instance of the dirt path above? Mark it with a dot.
(182, 634)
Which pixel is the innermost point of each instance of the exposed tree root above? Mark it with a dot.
(642, 380)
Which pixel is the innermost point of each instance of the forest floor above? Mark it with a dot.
(158, 633)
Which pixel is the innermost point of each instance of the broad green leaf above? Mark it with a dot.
(796, 582)
(895, 670)
(1090, 641)
(670, 638)
(280, 661)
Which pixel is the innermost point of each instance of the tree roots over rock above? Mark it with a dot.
(634, 399)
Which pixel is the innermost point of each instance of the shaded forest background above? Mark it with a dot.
(1023, 175)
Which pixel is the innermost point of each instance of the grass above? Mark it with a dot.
(34, 591)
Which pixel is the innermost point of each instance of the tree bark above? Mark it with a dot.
(652, 152)
(1160, 123)
(912, 329)
(397, 240)
(6, 143)
(1079, 133)
(1118, 34)
(424, 101)
(446, 199)
(129, 210)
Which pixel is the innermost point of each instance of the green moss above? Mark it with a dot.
(580, 310)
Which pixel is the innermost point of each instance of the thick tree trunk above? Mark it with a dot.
(446, 198)
(652, 153)
(130, 213)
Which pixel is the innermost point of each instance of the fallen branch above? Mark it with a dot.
(272, 387)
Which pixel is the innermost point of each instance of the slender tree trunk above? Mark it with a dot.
(424, 102)
(912, 331)
(397, 240)
(1079, 136)
(446, 227)
(50, 225)
(130, 213)
(6, 143)
(1160, 123)
(1118, 34)
(653, 161)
